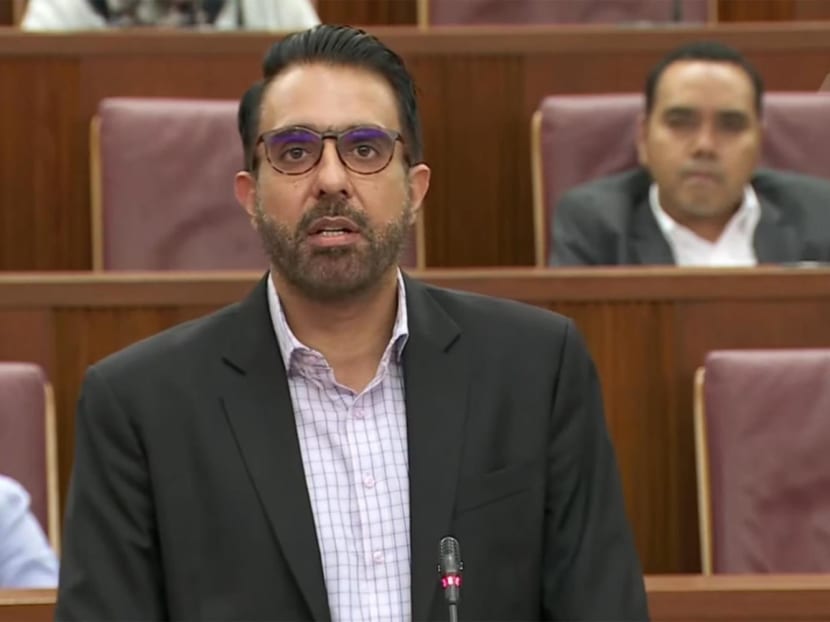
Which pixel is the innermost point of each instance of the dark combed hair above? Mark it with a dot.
(334, 45)
(248, 122)
(705, 51)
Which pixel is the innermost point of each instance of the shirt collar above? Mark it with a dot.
(289, 344)
(748, 213)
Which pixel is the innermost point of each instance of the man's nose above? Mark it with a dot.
(331, 175)
(705, 140)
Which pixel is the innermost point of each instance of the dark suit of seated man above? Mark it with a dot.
(698, 199)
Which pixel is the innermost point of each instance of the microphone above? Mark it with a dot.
(450, 567)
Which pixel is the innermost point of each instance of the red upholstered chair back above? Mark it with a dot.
(578, 138)
(762, 435)
(28, 451)
(162, 186)
(468, 12)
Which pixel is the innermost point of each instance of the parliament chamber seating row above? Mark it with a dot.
(152, 209)
(478, 145)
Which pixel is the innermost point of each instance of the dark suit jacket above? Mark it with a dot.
(189, 501)
(610, 222)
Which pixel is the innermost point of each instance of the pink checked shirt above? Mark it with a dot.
(356, 466)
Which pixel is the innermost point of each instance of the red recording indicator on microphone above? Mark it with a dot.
(451, 581)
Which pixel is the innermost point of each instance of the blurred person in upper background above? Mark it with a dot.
(26, 560)
(697, 199)
(217, 14)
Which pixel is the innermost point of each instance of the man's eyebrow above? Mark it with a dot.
(732, 113)
(680, 110)
(319, 128)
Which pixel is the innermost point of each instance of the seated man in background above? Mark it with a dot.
(219, 14)
(697, 199)
(26, 561)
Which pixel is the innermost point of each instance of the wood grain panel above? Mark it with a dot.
(39, 206)
(368, 12)
(772, 10)
(27, 605)
(634, 353)
(744, 598)
(27, 335)
(755, 10)
(811, 9)
(6, 12)
(465, 125)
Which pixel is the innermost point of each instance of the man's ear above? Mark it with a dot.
(418, 185)
(642, 135)
(244, 188)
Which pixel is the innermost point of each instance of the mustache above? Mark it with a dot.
(332, 207)
(694, 169)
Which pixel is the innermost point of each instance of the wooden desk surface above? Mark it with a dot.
(647, 329)
(745, 598)
(672, 598)
(478, 88)
(27, 605)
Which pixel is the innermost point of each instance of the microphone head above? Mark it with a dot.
(450, 567)
(449, 555)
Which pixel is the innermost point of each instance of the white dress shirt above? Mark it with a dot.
(356, 463)
(26, 560)
(67, 15)
(734, 247)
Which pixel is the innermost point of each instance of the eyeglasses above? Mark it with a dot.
(365, 149)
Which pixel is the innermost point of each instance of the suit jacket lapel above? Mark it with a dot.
(436, 377)
(258, 407)
(775, 240)
(649, 245)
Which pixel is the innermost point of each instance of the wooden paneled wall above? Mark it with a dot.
(772, 10)
(6, 12)
(368, 12)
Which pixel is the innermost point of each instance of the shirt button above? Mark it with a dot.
(377, 556)
(368, 481)
(359, 413)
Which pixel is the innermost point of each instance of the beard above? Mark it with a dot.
(335, 273)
